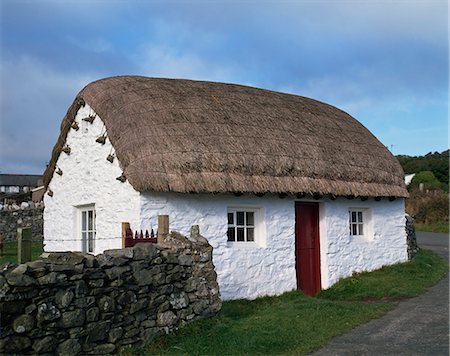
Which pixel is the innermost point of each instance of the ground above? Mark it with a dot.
(418, 326)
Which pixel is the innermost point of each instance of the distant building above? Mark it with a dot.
(16, 185)
(409, 178)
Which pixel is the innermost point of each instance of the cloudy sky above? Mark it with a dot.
(384, 62)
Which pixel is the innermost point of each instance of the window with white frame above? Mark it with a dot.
(241, 225)
(358, 222)
(87, 228)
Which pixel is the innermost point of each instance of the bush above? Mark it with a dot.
(428, 207)
(427, 178)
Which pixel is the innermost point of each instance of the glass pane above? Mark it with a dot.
(83, 221)
(230, 219)
(361, 229)
(230, 234)
(250, 234)
(90, 220)
(83, 242)
(240, 234)
(90, 242)
(353, 216)
(240, 218)
(250, 218)
(360, 216)
(354, 230)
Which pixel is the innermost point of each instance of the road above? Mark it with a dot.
(418, 326)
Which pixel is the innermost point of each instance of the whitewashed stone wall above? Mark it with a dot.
(245, 270)
(88, 178)
(345, 254)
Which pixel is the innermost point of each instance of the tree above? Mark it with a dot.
(428, 179)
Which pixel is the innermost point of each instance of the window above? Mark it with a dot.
(241, 225)
(87, 217)
(359, 222)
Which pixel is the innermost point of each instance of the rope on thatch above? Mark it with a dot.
(193, 136)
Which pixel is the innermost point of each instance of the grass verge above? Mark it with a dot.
(435, 227)
(10, 251)
(294, 324)
(402, 280)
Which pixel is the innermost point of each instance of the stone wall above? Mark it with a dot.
(73, 303)
(10, 220)
(411, 237)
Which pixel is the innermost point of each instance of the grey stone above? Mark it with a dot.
(72, 319)
(127, 298)
(132, 332)
(63, 298)
(96, 283)
(127, 253)
(84, 302)
(19, 279)
(186, 260)
(72, 268)
(47, 312)
(23, 323)
(115, 334)
(65, 258)
(4, 287)
(14, 344)
(179, 300)
(139, 305)
(167, 318)
(97, 331)
(92, 314)
(145, 251)
(117, 271)
(149, 334)
(143, 277)
(107, 304)
(69, 347)
(80, 288)
(52, 278)
(46, 344)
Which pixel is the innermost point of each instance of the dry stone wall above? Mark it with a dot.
(10, 220)
(74, 303)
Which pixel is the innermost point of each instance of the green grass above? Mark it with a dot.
(435, 227)
(294, 324)
(398, 281)
(289, 324)
(10, 252)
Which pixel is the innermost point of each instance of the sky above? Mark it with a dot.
(383, 62)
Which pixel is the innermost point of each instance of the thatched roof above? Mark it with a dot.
(193, 136)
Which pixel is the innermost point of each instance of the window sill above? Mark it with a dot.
(245, 245)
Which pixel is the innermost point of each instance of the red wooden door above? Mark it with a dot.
(307, 248)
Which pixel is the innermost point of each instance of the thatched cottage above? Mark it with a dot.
(290, 192)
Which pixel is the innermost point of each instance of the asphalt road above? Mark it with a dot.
(418, 326)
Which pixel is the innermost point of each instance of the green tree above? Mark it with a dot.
(428, 179)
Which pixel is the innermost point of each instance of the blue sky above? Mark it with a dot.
(384, 62)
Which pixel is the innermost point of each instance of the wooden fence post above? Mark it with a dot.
(163, 227)
(125, 228)
(24, 236)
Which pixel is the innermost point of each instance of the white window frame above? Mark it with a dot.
(362, 222)
(257, 229)
(84, 230)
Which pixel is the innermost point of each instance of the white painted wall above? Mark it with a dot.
(345, 254)
(245, 270)
(88, 178)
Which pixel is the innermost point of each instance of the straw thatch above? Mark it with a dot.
(192, 136)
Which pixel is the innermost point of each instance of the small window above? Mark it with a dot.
(241, 225)
(87, 228)
(357, 222)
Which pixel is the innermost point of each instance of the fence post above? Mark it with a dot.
(24, 244)
(163, 227)
(125, 227)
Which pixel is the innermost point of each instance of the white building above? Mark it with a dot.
(290, 192)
